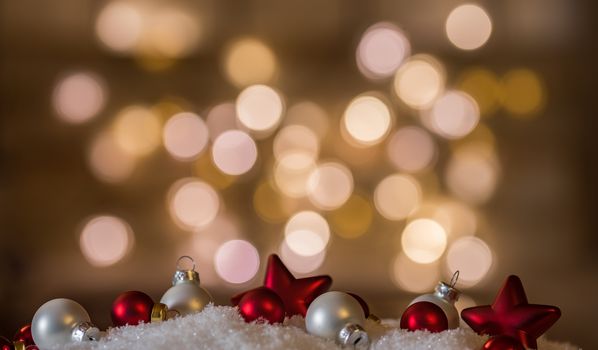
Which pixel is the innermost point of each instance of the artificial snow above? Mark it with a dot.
(221, 327)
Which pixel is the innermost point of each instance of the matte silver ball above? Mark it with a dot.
(186, 298)
(54, 322)
(329, 313)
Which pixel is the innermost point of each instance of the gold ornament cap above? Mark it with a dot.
(159, 313)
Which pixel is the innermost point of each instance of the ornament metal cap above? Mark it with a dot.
(159, 313)
(447, 291)
(85, 331)
(19, 345)
(182, 275)
(353, 334)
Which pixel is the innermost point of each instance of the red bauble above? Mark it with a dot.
(424, 315)
(296, 293)
(262, 303)
(511, 315)
(131, 308)
(24, 335)
(502, 342)
(364, 305)
(5, 344)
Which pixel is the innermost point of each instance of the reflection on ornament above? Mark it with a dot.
(186, 296)
(261, 303)
(133, 307)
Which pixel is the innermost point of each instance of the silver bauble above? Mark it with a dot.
(337, 316)
(186, 296)
(61, 321)
(444, 296)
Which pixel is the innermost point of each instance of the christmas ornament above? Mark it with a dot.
(5, 344)
(511, 315)
(23, 338)
(433, 312)
(337, 316)
(502, 342)
(134, 307)
(364, 305)
(186, 295)
(296, 293)
(262, 303)
(61, 321)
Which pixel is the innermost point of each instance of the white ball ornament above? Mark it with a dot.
(62, 321)
(337, 316)
(186, 296)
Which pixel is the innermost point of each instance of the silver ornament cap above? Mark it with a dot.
(337, 316)
(186, 296)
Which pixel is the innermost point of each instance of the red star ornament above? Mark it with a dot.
(512, 315)
(296, 293)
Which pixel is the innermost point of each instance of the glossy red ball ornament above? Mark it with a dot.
(131, 308)
(262, 304)
(424, 315)
(24, 335)
(502, 342)
(5, 344)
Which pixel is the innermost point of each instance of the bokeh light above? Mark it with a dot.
(414, 277)
(411, 149)
(259, 108)
(457, 218)
(108, 162)
(170, 32)
(292, 172)
(234, 152)
(352, 219)
(330, 185)
(367, 120)
(472, 174)
(419, 81)
(468, 27)
(523, 92)
(481, 84)
(301, 263)
(381, 50)
(205, 168)
(397, 196)
(185, 136)
(119, 26)
(221, 118)
(296, 139)
(137, 130)
(454, 115)
(192, 203)
(78, 97)
(237, 261)
(105, 240)
(471, 257)
(307, 233)
(310, 115)
(249, 61)
(424, 241)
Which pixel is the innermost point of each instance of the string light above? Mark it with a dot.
(237, 261)
(234, 152)
(367, 120)
(468, 27)
(330, 185)
(423, 241)
(193, 203)
(105, 240)
(381, 50)
(419, 81)
(185, 136)
(259, 109)
(78, 97)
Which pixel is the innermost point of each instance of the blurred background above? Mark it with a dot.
(385, 143)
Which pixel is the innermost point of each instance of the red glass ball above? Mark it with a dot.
(32, 347)
(262, 303)
(424, 315)
(364, 305)
(502, 342)
(5, 344)
(24, 335)
(131, 308)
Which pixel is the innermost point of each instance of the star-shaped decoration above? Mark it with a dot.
(296, 293)
(512, 315)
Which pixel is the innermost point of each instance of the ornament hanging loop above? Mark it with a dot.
(454, 279)
(180, 260)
